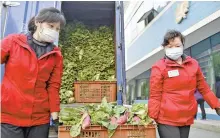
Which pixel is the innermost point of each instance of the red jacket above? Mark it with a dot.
(30, 87)
(172, 88)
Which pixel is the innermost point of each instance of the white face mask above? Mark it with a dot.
(174, 53)
(48, 35)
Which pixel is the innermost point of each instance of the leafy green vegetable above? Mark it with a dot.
(139, 110)
(99, 116)
(71, 116)
(105, 114)
(88, 54)
(76, 129)
(118, 110)
(136, 108)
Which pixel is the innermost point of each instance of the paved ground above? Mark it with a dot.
(208, 125)
(200, 133)
(204, 129)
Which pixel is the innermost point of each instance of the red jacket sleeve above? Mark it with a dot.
(156, 84)
(54, 84)
(6, 45)
(205, 90)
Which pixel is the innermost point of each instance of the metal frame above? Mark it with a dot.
(120, 53)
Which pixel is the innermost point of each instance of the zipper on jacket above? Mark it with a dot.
(34, 90)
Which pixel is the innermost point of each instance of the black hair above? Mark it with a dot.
(50, 15)
(170, 35)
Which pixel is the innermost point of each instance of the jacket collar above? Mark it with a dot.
(170, 62)
(22, 40)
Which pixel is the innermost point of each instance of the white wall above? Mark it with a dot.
(133, 12)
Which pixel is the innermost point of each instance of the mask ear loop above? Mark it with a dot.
(40, 29)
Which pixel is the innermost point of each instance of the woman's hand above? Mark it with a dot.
(154, 122)
(54, 115)
(55, 120)
(218, 111)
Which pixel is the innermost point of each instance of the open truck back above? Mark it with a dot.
(15, 17)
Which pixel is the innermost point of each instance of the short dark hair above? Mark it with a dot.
(170, 35)
(49, 15)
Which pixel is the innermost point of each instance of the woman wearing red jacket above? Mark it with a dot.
(31, 83)
(173, 82)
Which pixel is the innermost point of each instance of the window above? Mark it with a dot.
(201, 47)
(149, 19)
(129, 96)
(202, 53)
(187, 51)
(215, 41)
(145, 89)
(148, 16)
(207, 53)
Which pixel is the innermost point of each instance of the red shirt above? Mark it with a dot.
(30, 87)
(172, 88)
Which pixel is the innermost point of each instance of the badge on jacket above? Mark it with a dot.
(173, 73)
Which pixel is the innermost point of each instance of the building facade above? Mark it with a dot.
(199, 22)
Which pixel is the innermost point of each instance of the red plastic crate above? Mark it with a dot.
(123, 131)
(95, 91)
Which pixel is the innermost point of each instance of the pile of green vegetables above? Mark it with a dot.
(105, 114)
(88, 55)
